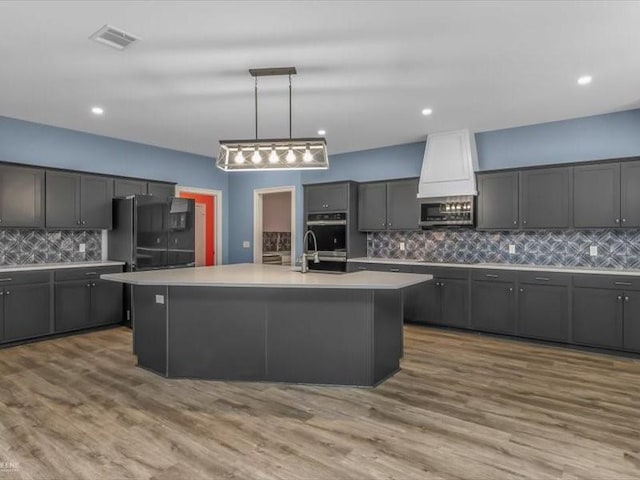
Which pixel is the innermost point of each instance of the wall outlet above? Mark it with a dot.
(82, 248)
(593, 250)
(246, 244)
(402, 246)
(512, 249)
(160, 299)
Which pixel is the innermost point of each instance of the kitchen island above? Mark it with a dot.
(269, 323)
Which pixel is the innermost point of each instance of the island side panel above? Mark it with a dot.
(321, 336)
(150, 327)
(387, 332)
(217, 332)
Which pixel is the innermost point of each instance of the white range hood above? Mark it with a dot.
(449, 165)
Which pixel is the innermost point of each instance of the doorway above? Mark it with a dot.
(274, 229)
(208, 223)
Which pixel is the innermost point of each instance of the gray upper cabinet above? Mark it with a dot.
(372, 206)
(596, 195)
(630, 194)
(96, 202)
(327, 197)
(78, 201)
(21, 197)
(124, 187)
(388, 205)
(546, 198)
(62, 200)
(162, 190)
(402, 205)
(498, 201)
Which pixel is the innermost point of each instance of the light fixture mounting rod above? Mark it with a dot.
(290, 106)
(271, 71)
(255, 98)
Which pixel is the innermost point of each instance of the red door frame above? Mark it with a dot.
(209, 203)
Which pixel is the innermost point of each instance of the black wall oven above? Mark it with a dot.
(330, 230)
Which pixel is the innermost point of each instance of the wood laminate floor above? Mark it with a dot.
(463, 407)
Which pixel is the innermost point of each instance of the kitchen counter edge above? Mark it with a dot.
(56, 266)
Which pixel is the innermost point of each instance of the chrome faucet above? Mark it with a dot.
(306, 255)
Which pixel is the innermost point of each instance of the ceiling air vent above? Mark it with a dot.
(114, 37)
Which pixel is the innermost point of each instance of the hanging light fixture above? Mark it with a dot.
(282, 153)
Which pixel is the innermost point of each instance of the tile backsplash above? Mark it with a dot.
(276, 241)
(20, 246)
(615, 248)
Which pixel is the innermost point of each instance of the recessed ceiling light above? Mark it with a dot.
(584, 80)
(97, 110)
(322, 132)
(427, 111)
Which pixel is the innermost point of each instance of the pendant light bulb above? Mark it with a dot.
(256, 157)
(239, 158)
(273, 156)
(307, 157)
(291, 157)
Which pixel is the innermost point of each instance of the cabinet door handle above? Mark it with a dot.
(6, 279)
(521, 290)
(93, 284)
(83, 222)
(542, 279)
(511, 289)
(515, 222)
(78, 222)
(624, 220)
(619, 297)
(617, 220)
(491, 275)
(626, 299)
(625, 284)
(1, 293)
(88, 285)
(7, 292)
(524, 221)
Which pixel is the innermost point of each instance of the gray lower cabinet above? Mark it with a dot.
(596, 195)
(454, 302)
(162, 190)
(327, 197)
(21, 197)
(493, 301)
(631, 329)
(372, 206)
(543, 306)
(125, 187)
(106, 302)
(498, 201)
(546, 198)
(26, 311)
(598, 317)
(72, 305)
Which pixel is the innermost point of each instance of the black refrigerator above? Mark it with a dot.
(151, 233)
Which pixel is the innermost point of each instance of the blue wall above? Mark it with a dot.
(611, 135)
(589, 138)
(36, 144)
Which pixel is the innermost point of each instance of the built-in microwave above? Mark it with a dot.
(447, 212)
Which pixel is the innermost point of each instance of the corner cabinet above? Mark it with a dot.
(388, 205)
(21, 197)
(78, 201)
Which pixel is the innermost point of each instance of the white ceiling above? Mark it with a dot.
(365, 69)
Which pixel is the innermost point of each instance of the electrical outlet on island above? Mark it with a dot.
(246, 244)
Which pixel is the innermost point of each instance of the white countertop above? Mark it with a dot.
(500, 266)
(274, 276)
(56, 266)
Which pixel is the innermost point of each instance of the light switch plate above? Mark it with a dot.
(160, 299)
(512, 249)
(593, 250)
(402, 246)
(82, 247)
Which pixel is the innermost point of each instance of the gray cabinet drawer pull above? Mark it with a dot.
(91, 273)
(8, 279)
(491, 275)
(394, 269)
(626, 284)
(362, 268)
(542, 279)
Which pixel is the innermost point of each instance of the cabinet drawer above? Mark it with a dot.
(545, 278)
(607, 281)
(18, 278)
(494, 275)
(83, 273)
